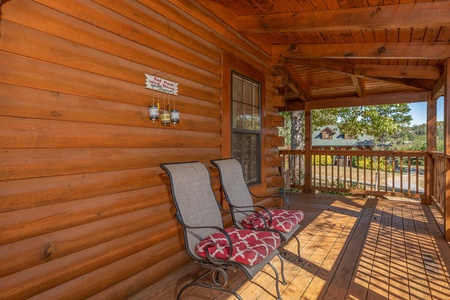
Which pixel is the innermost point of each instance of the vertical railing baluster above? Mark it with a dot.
(338, 169)
(417, 174)
(357, 172)
(332, 172)
(345, 170)
(371, 173)
(409, 174)
(350, 167)
(401, 174)
(393, 173)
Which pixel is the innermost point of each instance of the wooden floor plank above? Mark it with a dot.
(312, 255)
(359, 286)
(435, 275)
(338, 286)
(418, 284)
(327, 268)
(398, 282)
(379, 280)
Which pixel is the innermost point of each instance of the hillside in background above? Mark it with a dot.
(415, 138)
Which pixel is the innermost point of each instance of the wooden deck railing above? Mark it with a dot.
(438, 184)
(398, 173)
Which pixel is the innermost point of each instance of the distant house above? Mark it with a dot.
(329, 137)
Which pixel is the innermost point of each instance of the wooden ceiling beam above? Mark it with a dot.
(359, 85)
(438, 89)
(425, 50)
(292, 83)
(421, 14)
(373, 71)
(398, 71)
(394, 98)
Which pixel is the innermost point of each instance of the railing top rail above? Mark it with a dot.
(361, 152)
(436, 153)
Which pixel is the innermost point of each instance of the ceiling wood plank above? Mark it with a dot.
(426, 50)
(421, 14)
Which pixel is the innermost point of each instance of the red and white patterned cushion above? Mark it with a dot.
(282, 220)
(249, 246)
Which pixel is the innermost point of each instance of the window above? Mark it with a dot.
(327, 134)
(246, 126)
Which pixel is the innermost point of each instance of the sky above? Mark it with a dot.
(419, 112)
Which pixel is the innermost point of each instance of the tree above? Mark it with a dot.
(380, 121)
(297, 130)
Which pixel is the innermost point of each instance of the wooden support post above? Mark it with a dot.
(447, 149)
(431, 146)
(308, 146)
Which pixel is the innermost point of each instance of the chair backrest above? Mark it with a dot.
(234, 185)
(194, 200)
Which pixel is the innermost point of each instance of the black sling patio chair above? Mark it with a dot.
(208, 243)
(247, 215)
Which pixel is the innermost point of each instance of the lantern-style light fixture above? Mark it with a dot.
(168, 89)
(174, 116)
(153, 112)
(165, 117)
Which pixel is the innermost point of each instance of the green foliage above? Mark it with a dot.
(371, 163)
(380, 121)
(387, 123)
(322, 160)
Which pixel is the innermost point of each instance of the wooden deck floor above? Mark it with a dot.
(352, 248)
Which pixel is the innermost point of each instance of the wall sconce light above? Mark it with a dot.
(165, 117)
(174, 116)
(153, 112)
(168, 89)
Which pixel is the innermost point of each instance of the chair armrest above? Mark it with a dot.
(284, 201)
(208, 256)
(259, 216)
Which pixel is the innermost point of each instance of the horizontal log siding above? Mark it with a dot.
(85, 209)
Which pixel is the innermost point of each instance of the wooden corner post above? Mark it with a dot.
(447, 149)
(431, 146)
(308, 141)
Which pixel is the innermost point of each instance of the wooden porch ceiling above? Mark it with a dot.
(347, 49)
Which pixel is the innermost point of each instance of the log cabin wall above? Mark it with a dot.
(85, 210)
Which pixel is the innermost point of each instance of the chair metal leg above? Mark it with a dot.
(298, 248)
(217, 283)
(283, 282)
(276, 280)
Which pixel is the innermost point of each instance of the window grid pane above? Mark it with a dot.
(246, 151)
(246, 122)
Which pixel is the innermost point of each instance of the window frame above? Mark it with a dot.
(248, 169)
(232, 63)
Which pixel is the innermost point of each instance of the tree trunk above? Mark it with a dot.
(297, 130)
(298, 142)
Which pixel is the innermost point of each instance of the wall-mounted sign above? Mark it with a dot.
(161, 85)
